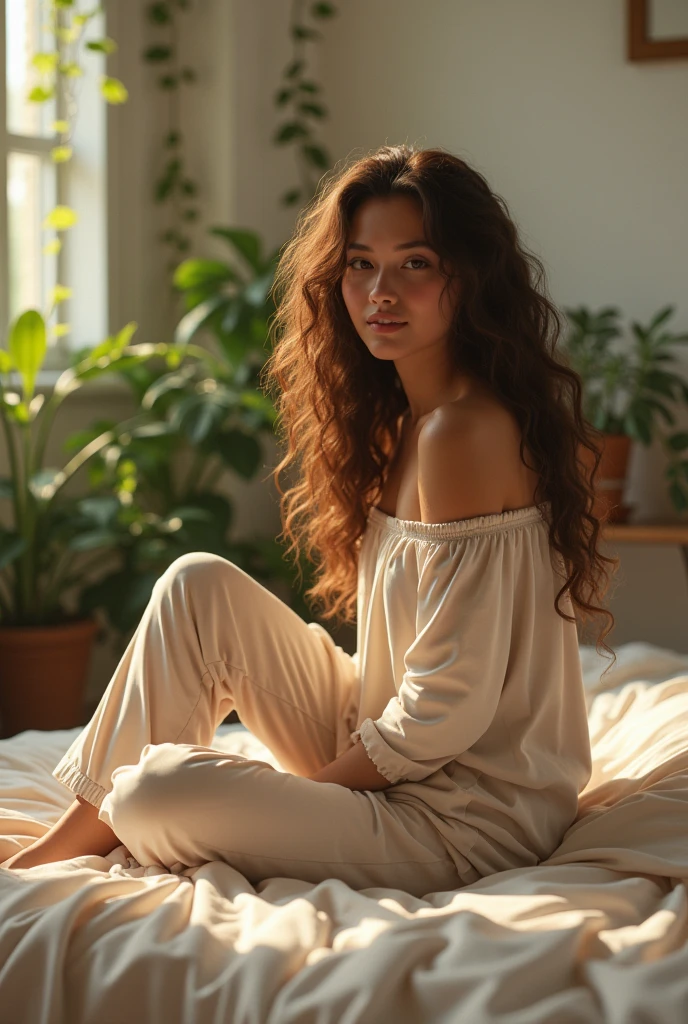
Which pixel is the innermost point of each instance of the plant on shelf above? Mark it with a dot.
(627, 392)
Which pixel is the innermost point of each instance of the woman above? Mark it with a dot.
(454, 743)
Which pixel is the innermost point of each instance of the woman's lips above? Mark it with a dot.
(385, 328)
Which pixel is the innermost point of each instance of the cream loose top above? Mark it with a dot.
(472, 699)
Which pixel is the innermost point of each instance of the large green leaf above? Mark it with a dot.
(247, 243)
(196, 318)
(240, 451)
(194, 272)
(27, 346)
(11, 546)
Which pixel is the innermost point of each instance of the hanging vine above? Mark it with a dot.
(174, 185)
(299, 94)
(59, 70)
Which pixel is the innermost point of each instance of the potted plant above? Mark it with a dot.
(44, 647)
(625, 395)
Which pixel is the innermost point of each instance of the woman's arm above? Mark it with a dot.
(353, 769)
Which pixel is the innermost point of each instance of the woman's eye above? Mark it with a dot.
(413, 259)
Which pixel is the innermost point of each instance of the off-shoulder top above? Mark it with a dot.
(472, 699)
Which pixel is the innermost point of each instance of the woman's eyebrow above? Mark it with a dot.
(404, 245)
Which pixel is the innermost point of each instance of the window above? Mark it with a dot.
(31, 184)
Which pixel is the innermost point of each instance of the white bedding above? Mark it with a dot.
(597, 933)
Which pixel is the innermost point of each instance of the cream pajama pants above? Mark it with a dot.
(210, 640)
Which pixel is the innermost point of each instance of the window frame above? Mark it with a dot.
(81, 263)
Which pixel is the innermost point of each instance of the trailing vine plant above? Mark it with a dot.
(299, 94)
(174, 184)
(59, 70)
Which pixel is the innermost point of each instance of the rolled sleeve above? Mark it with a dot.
(388, 762)
(456, 667)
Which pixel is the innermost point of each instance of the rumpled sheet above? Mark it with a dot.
(597, 933)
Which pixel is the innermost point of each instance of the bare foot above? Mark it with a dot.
(79, 832)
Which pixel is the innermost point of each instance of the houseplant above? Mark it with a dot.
(627, 394)
(44, 648)
(212, 410)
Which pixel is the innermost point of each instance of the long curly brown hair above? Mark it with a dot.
(339, 409)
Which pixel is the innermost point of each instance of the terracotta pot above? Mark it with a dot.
(43, 674)
(611, 477)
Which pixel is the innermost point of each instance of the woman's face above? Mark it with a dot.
(402, 283)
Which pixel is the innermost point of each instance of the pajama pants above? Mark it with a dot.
(213, 639)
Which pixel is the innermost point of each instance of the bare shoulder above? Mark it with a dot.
(465, 451)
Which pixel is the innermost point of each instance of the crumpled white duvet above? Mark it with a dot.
(597, 933)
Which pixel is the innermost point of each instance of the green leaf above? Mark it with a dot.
(89, 540)
(61, 218)
(194, 320)
(247, 243)
(323, 10)
(256, 292)
(196, 416)
(157, 53)
(290, 130)
(194, 272)
(113, 90)
(11, 546)
(6, 487)
(175, 381)
(304, 32)
(27, 347)
(240, 451)
(45, 62)
(315, 109)
(101, 509)
(159, 13)
(678, 497)
(678, 442)
(664, 313)
(106, 45)
(218, 508)
(40, 95)
(660, 381)
(71, 69)
(61, 154)
(262, 403)
(316, 155)
(661, 409)
(294, 68)
(291, 197)
(167, 182)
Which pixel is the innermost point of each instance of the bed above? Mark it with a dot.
(596, 933)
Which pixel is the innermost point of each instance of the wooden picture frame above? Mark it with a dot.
(640, 45)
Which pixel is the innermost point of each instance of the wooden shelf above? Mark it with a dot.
(646, 533)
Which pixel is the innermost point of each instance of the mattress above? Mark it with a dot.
(596, 933)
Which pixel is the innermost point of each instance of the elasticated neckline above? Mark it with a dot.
(494, 523)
